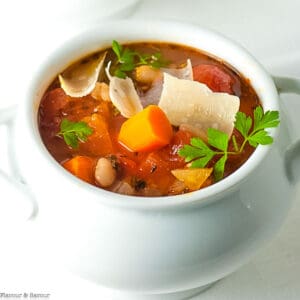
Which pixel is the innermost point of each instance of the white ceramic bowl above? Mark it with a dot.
(164, 247)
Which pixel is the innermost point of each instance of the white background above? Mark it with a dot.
(270, 30)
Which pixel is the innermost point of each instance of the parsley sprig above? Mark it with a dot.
(73, 132)
(199, 153)
(128, 60)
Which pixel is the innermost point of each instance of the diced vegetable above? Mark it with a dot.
(214, 77)
(122, 187)
(82, 167)
(155, 169)
(104, 108)
(146, 131)
(178, 187)
(127, 165)
(99, 142)
(51, 104)
(192, 178)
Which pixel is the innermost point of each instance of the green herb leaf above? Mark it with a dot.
(128, 60)
(203, 161)
(73, 132)
(199, 154)
(258, 114)
(243, 123)
(234, 142)
(198, 149)
(189, 153)
(260, 137)
(126, 67)
(117, 48)
(219, 167)
(258, 134)
(71, 139)
(128, 57)
(265, 120)
(217, 139)
(119, 73)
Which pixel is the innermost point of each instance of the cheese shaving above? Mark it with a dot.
(193, 103)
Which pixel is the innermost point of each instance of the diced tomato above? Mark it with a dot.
(105, 109)
(50, 117)
(114, 129)
(180, 138)
(156, 167)
(50, 108)
(156, 172)
(128, 166)
(170, 153)
(217, 79)
(78, 108)
(152, 164)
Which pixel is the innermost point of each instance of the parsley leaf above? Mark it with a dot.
(128, 60)
(217, 139)
(117, 48)
(219, 167)
(243, 123)
(199, 150)
(198, 154)
(262, 121)
(73, 132)
(260, 137)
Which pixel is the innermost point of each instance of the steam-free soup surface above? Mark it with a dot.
(105, 155)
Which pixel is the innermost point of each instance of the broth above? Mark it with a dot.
(145, 173)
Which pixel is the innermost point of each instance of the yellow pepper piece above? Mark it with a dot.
(192, 178)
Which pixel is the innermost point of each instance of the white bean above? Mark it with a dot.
(105, 174)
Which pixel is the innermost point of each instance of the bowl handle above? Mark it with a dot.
(290, 85)
(17, 202)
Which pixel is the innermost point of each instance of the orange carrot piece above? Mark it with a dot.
(82, 167)
(148, 130)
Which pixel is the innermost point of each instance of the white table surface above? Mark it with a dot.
(270, 30)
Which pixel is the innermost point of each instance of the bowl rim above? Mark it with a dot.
(63, 55)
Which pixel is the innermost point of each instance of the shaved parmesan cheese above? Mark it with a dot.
(153, 94)
(80, 79)
(194, 130)
(182, 73)
(123, 95)
(193, 103)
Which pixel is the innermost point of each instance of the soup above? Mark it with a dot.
(151, 119)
